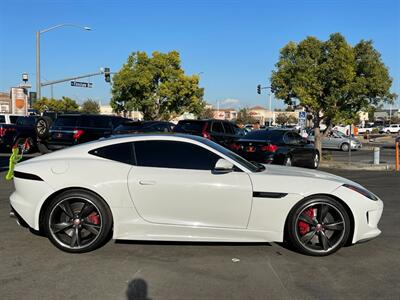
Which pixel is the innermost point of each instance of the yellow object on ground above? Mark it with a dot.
(14, 158)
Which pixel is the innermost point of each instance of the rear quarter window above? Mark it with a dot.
(67, 121)
(189, 126)
(118, 152)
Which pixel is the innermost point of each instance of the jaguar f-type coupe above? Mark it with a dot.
(186, 188)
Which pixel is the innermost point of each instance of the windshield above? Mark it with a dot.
(253, 167)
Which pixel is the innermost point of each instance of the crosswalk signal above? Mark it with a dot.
(259, 89)
(107, 76)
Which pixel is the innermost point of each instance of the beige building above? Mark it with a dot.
(225, 114)
(5, 102)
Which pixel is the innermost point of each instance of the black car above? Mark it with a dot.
(19, 134)
(72, 129)
(143, 126)
(277, 146)
(220, 131)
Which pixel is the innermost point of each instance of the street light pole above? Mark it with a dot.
(38, 86)
(38, 33)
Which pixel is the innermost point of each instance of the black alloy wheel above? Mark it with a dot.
(318, 226)
(78, 221)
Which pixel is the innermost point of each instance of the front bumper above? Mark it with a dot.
(366, 213)
(356, 146)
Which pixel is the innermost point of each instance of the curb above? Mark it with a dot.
(357, 166)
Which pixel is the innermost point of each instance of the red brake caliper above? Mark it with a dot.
(303, 226)
(94, 218)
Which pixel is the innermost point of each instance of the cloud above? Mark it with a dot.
(229, 102)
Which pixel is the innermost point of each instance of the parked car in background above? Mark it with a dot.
(337, 140)
(365, 129)
(220, 131)
(8, 118)
(71, 129)
(143, 127)
(277, 146)
(393, 128)
(19, 134)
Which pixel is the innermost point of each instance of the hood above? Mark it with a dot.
(296, 180)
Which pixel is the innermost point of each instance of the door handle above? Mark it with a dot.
(147, 182)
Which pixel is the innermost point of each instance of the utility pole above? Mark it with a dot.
(259, 88)
(38, 87)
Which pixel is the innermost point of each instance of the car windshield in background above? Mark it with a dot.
(13, 119)
(25, 121)
(189, 126)
(68, 121)
(240, 160)
(273, 136)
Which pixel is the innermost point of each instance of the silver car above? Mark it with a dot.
(337, 140)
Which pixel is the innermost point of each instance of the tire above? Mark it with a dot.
(318, 226)
(315, 161)
(21, 142)
(42, 148)
(83, 219)
(344, 147)
(287, 161)
(42, 127)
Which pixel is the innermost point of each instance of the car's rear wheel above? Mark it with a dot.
(318, 226)
(78, 221)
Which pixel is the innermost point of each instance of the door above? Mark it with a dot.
(217, 132)
(302, 153)
(173, 183)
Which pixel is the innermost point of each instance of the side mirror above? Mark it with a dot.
(223, 166)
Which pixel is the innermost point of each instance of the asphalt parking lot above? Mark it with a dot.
(31, 268)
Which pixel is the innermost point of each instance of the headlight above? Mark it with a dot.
(362, 191)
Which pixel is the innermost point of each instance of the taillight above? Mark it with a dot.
(236, 147)
(269, 148)
(77, 133)
(204, 132)
(3, 131)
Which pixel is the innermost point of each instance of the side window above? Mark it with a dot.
(297, 139)
(174, 155)
(229, 129)
(217, 127)
(2, 119)
(95, 122)
(290, 138)
(118, 152)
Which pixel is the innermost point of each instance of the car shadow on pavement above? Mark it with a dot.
(137, 290)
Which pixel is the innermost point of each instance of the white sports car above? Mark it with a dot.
(186, 188)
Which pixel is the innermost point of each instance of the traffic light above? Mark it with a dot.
(259, 89)
(107, 76)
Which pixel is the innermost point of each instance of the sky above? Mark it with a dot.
(232, 45)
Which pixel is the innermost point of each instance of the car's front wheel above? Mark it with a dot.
(78, 221)
(318, 226)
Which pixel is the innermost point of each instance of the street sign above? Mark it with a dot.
(302, 115)
(81, 84)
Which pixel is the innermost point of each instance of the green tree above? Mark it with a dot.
(281, 119)
(65, 104)
(331, 79)
(292, 119)
(157, 86)
(90, 106)
(207, 113)
(244, 116)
